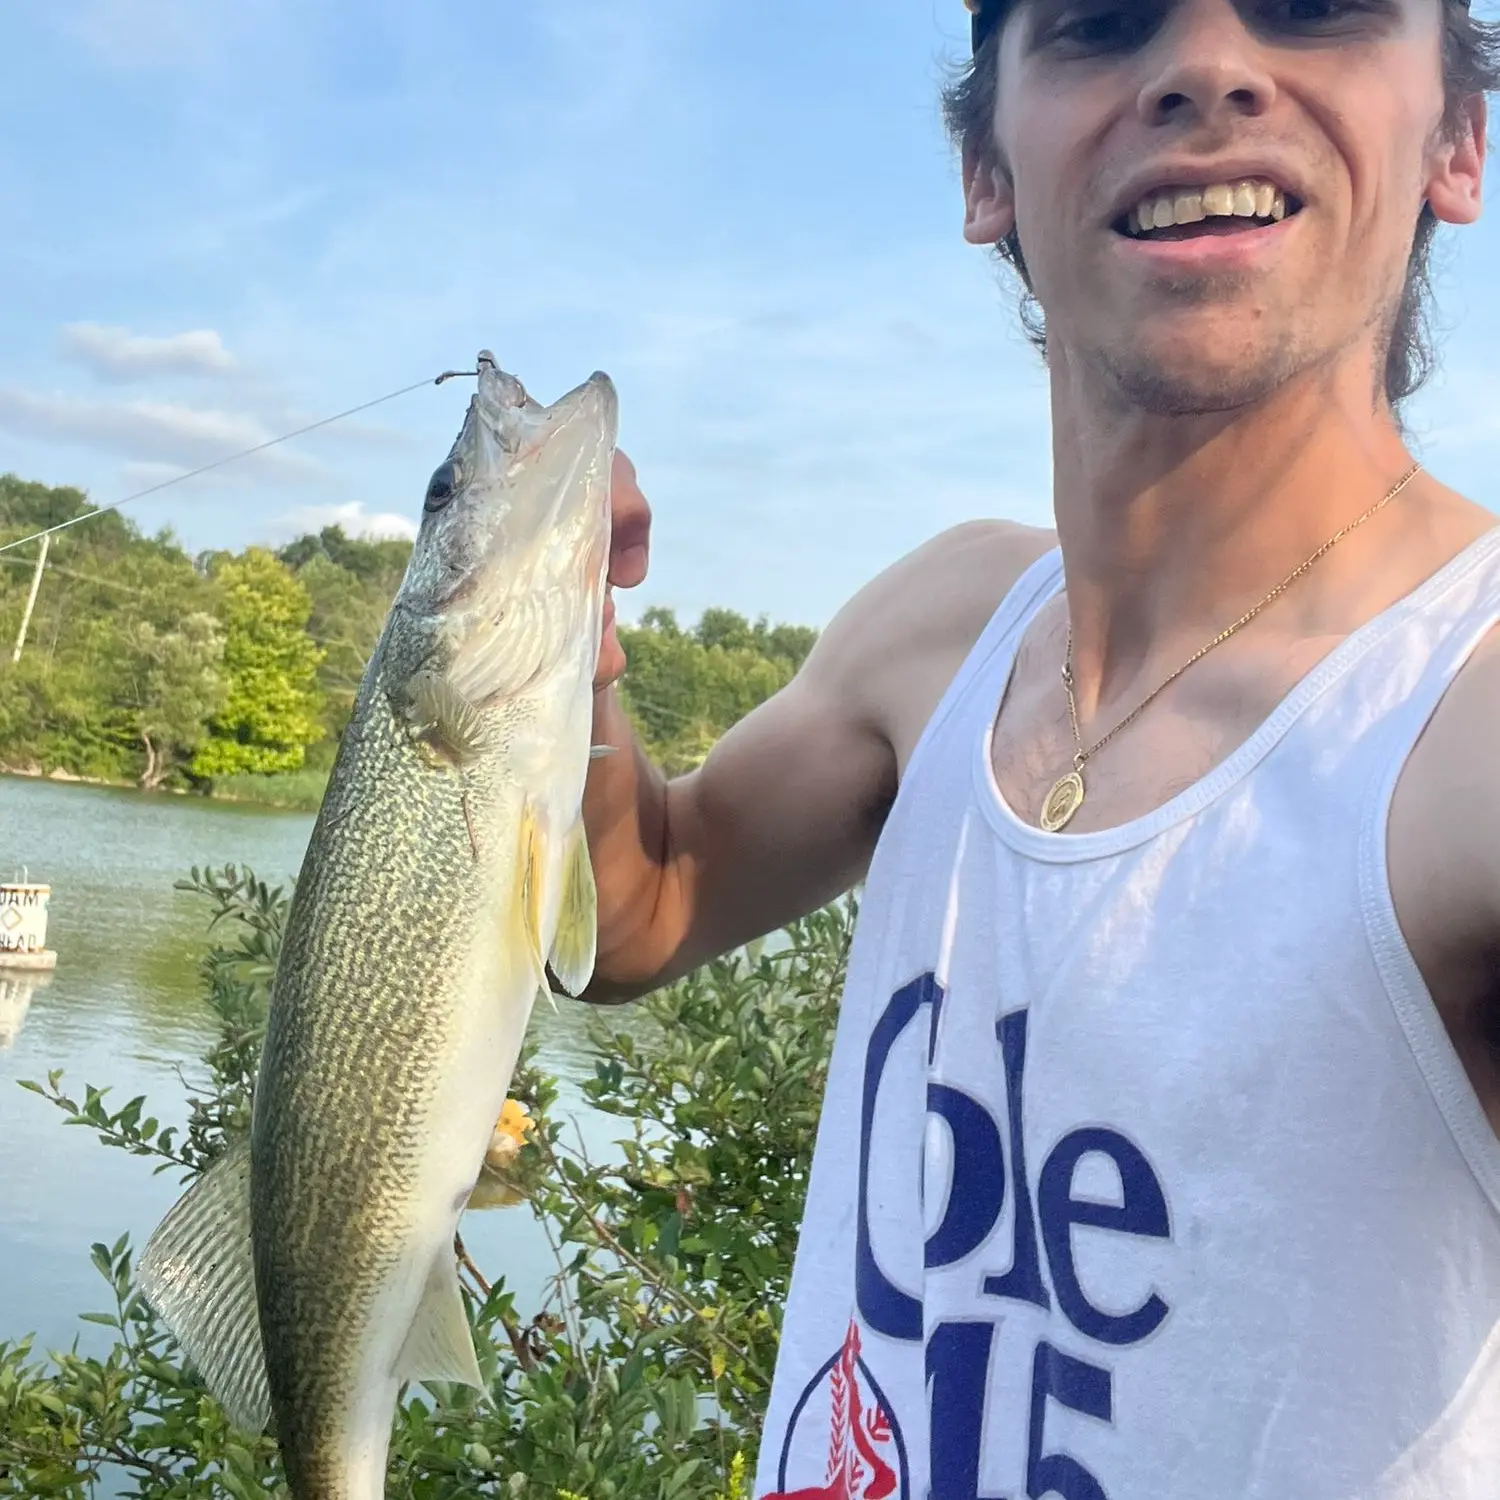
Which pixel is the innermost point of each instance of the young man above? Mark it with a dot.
(1159, 1153)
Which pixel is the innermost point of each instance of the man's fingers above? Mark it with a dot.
(628, 568)
(630, 539)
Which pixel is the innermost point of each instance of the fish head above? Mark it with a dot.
(507, 575)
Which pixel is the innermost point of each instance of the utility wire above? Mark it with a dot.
(56, 572)
(219, 463)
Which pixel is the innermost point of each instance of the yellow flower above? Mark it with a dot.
(511, 1130)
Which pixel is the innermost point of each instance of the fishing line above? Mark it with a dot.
(219, 463)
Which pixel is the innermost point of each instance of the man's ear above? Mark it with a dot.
(1455, 173)
(989, 200)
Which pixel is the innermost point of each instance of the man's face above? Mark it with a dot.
(1324, 118)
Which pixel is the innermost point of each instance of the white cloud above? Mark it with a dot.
(119, 354)
(352, 517)
(153, 431)
(153, 33)
(140, 474)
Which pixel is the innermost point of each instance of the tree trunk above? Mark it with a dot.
(152, 776)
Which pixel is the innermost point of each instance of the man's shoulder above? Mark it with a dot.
(1454, 774)
(997, 552)
(947, 589)
(893, 649)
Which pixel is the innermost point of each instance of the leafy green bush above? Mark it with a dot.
(644, 1374)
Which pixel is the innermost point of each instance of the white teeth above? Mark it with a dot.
(1241, 200)
(1218, 200)
(1187, 208)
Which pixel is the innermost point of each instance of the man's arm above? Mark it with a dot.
(781, 817)
(1443, 853)
(785, 812)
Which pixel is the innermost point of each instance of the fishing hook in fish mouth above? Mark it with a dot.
(485, 358)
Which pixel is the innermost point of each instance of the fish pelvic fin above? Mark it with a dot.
(198, 1273)
(533, 863)
(576, 939)
(440, 1344)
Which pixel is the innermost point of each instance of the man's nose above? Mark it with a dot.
(1205, 66)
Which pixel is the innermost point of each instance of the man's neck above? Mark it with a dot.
(1171, 526)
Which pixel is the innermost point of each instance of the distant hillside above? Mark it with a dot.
(236, 672)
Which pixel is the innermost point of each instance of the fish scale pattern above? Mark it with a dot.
(396, 905)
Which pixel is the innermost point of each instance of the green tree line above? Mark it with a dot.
(235, 673)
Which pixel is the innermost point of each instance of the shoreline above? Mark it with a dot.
(266, 797)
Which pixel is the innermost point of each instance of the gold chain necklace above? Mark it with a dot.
(1068, 792)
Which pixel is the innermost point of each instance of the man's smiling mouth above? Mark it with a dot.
(1178, 213)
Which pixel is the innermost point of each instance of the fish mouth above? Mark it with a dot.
(520, 547)
(506, 403)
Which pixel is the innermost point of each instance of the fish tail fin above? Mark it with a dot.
(198, 1273)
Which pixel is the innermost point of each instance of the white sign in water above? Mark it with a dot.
(23, 919)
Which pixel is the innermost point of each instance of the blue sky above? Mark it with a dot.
(220, 219)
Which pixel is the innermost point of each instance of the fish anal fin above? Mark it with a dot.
(198, 1273)
(440, 1344)
(576, 938)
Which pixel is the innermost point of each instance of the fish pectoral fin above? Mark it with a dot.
(440, 1345)
(443, 719)
(574, 943)
(198, 1273)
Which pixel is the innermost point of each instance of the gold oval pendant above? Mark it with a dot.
(1065, 798)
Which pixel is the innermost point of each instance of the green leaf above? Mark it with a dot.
(680, 1477)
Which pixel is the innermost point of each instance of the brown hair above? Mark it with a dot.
(1471, 65)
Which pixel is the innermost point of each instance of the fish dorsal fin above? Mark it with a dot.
(533, 861)
(573, 945)
(198, 1272)
(440, 1345)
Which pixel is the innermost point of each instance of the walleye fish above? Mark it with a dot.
(311, 1272)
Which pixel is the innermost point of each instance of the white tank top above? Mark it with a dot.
(1147, 1170)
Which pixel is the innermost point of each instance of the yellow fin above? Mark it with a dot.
(533, 856)
(574, 943)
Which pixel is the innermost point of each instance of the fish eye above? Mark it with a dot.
(441, 486)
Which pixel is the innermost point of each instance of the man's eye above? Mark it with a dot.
(1106, 29)
(1312, 15)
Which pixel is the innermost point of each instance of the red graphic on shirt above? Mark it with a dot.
(856, 1468)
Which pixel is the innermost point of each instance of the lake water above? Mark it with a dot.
(124, 1008)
